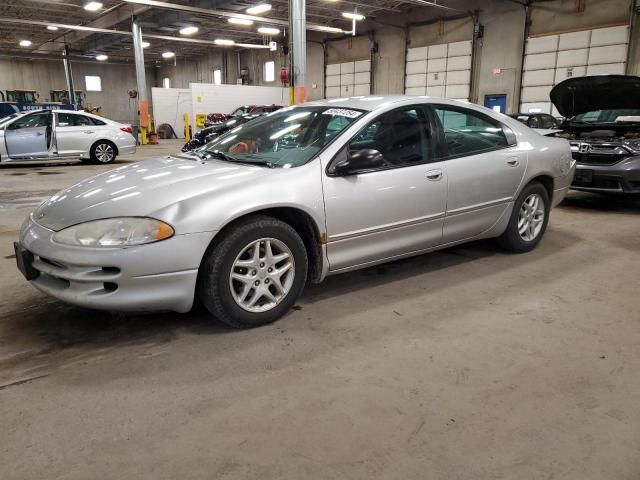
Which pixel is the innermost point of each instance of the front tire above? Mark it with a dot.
(103, 152)
(254, 273)
(528, 221)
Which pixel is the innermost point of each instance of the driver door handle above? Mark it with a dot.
(434, 175)
(88, 131)
(513, 162)
(39, 134)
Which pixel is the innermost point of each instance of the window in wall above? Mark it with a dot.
(217, 77)
(269, 71)
(468, 132)
(93, 83)
(166, 82)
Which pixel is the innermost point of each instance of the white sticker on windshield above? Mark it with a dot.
(342, 112)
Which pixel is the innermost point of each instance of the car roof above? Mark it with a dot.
(374, 102)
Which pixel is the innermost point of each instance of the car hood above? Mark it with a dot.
(587, 94)
(143, 189)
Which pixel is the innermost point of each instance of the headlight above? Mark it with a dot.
(115, 232)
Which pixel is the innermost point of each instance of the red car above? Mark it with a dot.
(213, 118)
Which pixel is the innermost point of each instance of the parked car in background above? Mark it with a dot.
(51, 134)
(214, 118)
(310, 191)
(603, 127)
(542, 121)
(207, 134)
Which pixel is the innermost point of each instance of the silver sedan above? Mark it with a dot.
(53, 134)
(306, 192)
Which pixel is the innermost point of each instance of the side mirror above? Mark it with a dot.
(359, 161)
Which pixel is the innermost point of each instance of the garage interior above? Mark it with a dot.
(467, 363)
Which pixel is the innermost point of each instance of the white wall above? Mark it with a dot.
(208, 98)
(170, 105)
(44, 76)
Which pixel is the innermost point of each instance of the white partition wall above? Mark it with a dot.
(550, 59)
(348, 79)
(209, 98)
(169, 106)
(440, 70)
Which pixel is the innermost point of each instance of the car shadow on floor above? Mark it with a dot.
(73, 162)
(46, 326)
(594, 202)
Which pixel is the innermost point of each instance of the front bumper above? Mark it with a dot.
(153, 277)
(621, 178)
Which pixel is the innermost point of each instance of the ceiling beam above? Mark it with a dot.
(92, 30)
(221, 13)
(110, 19)
(434, 4)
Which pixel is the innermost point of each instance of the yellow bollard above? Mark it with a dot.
(187, 128)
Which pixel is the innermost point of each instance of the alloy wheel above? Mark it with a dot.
(104, 153)
(531, 217)
(262, 275)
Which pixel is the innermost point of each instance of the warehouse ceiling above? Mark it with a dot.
(160, 19)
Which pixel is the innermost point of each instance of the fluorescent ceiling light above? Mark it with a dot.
(146, 44)
(190, 30)
(269, 30)
(258, 9)
(322, 28)
(102, 57)
(52, 28)
(353, 16)
(240, 21)
(93, 6)
(25, 43)
(251, 45)
(168, 54)
(224, 41)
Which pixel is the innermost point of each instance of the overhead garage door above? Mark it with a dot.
(348, 79)
(439, 70)
(551, 59)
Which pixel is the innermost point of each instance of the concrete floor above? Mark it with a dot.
(464, 364)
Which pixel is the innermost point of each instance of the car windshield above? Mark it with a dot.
(609, 116)
(287, 138)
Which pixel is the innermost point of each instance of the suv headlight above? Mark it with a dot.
(115, 232)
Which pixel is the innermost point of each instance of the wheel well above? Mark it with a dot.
(304, 225)
(115, 147)
(547, 183)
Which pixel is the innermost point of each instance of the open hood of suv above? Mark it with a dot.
(587, 94)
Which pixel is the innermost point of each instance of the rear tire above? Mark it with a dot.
(254, 273)
(103, 152)
(528, 221)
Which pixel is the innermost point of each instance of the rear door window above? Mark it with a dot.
(73, 120)
(467, 132)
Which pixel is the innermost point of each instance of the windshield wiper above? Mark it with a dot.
(230, 158)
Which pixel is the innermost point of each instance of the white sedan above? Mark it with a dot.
(53, 134)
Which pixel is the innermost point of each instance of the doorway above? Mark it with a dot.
(496, 103)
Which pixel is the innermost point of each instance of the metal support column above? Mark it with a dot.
(143, 100)
(297, 50)
(68, 75)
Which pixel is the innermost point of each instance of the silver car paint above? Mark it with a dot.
(27, 142)
(67, 142)
(365, 219)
